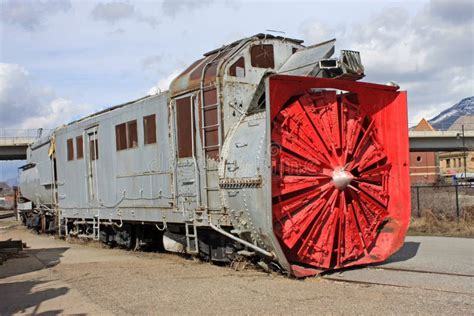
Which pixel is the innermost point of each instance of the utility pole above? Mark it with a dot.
(464, 149)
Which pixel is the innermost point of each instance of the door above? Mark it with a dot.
(187, 176)
(92, 156)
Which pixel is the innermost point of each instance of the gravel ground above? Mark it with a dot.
(54, 276)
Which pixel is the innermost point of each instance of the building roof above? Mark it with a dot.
(467, 121)
(423, 126)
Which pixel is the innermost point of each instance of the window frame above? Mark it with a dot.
(124, 138)
(237, 64)
(147, 129)
(94, 150)
(70, 149)
(254, 62)
(79, 147)
(184, 139)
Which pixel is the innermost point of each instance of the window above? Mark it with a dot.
(70, 149)
(121, 136)
(149, 129)
(94, 149)
(183, 128)
(262, 56)
(132, 139)
(238, 68)
(448, 163)
(126, 135)
(418, 158)
(79, 147)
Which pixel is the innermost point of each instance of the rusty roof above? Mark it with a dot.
(190, 79)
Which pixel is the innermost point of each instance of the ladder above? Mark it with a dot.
(192, 241)
(204, 128)
(96, 227)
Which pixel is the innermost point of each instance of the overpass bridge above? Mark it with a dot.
(441, 140)
(13, 143)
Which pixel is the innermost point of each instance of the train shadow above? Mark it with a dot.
(17, 297)
(30, 260)
(408, 251)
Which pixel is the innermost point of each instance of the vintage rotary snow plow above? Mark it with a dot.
(340, 181)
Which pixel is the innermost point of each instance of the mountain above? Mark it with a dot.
(446, 118)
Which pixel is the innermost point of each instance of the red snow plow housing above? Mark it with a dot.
(340, 172)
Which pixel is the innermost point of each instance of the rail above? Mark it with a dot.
(15, 137)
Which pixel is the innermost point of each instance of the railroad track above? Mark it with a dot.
(6, 215)
(467, 278)
(425, 271)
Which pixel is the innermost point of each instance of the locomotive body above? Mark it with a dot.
(262, 148)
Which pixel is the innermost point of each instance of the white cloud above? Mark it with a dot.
(164, 83)
(31, 15)
(430, 53)
(452, 11)
(316, 31)
(152, 62)
(24, 105)
(172, 7)
(114, 12)
(56, 113)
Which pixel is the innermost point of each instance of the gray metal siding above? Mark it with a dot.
(132, 178)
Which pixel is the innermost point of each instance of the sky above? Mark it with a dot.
(61, 60)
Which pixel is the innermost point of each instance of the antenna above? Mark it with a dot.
(275, 31)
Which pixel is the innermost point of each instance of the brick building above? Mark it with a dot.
(458, 162)
(424, 167)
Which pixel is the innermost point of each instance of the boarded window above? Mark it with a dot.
(121, 136)
(79, 147)
(94, 149)
(126, 135)
(149, 129)
(262, 56)
(70, 149)
(238, 68)
(132, 137)
(183, 122)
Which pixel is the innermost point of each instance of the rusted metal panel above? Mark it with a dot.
(183, 128)
(126, 135)
(79, 147)
(149, 129)
(132, 134)
(262, 56)
(238, 68)
(190, 79)
(121, 136)
(70, 149)
(210, 123)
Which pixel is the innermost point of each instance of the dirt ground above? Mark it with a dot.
(56, 277)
